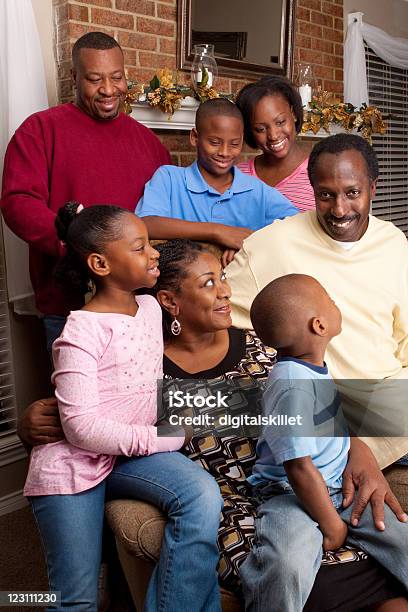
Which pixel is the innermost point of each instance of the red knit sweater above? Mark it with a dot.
(63, 154)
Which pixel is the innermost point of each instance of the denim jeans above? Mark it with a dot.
(53, 325)
(281, 568)
(185, 578)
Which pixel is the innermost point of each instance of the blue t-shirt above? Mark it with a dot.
(182, 193)
(297, 389)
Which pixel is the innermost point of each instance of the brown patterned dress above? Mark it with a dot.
(230, 458)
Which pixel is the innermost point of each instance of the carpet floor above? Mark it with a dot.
(22, 565)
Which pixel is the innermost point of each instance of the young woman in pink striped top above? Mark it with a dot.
(273, 116)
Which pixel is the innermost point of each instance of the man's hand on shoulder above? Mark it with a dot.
(40, 423)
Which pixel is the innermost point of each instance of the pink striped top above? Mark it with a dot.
(106, 369)
(296, 187)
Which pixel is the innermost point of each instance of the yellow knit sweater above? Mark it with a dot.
(369, 283)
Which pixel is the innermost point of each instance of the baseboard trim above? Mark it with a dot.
(12, 501)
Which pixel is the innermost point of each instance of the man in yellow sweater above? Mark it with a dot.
(361, 261)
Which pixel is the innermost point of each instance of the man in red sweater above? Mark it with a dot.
(86, 151)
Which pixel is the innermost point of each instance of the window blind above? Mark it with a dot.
(388, 89)
(8, 412)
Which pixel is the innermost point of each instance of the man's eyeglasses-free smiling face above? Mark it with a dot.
(343, 192)
(100, 82)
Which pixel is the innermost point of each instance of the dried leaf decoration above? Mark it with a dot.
(325, 110)
(165, 94)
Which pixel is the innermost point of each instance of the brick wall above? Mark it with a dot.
(147, 29)
(319, 40)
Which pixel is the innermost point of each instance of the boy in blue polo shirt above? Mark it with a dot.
(211, 200)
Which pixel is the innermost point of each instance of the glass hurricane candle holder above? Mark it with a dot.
(204, 69)
(305, 82)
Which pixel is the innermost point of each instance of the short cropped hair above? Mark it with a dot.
(216, 107)
(93, 40)
(338, 143)
(273, 85)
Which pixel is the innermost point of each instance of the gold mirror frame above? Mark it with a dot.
(233, 67)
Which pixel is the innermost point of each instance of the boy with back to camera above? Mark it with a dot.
(298, 475)
(211, 200)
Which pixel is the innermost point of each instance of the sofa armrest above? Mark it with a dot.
(137, 525)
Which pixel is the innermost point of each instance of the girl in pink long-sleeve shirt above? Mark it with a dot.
(107, 362)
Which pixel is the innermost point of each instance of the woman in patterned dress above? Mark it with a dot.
(201, 345)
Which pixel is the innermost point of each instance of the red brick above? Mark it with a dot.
(61, 14)
(323, 72)
(332, 9)
(110, 18)
(310, 29)
(322, 19)
(338, 75)
(65, 88)
(335, 60)
(140, 75)
(177, 142)
(310, 56)
(76, 30)
(302, 13)
(316, 5)
(129, 57)
(236, 86)
(338, 24)
(175, 160)
(333, 86)
(156, 60)
(78, 13)
(167, 46)
(165, 11)
(64, 70)
(154, 26)
(104, 3)
(222, 85)
(304, 41)
(64, 51)
(187, 159)
(138, 41)
(63, 31)
(322, 45)
(338, 50)
(142, 7)
(334, 35)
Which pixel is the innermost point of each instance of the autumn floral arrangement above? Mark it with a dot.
(326, 110)
(165, 93)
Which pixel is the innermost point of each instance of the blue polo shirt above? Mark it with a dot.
(182, 193)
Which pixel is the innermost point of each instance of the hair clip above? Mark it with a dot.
(79, 209)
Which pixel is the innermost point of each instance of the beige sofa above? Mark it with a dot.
(138, 529)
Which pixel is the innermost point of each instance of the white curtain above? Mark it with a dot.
(22, 92)
(393, 50)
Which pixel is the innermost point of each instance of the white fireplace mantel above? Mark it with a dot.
(184, 118)
(154, 118)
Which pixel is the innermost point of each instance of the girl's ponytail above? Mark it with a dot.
(84, 231)
(65, 215)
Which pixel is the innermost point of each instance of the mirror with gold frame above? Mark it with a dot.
(250, 38)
